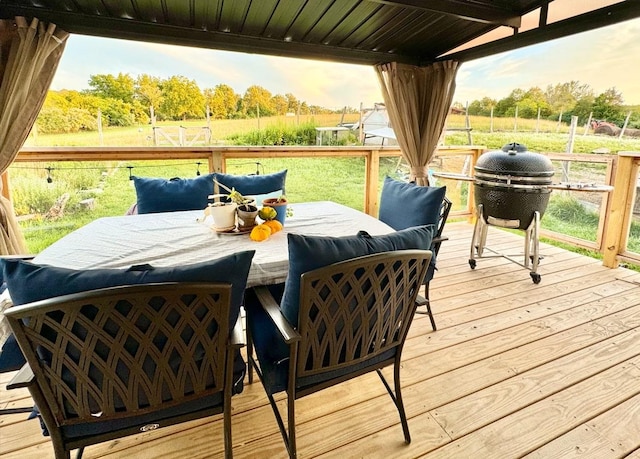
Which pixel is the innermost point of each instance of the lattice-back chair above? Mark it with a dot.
(436, 242)
(404, 205)
(354, 317)
(113, 362)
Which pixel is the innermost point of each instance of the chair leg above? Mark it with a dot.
(397, 398)
(427, 303)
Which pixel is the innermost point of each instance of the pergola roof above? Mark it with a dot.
(353, 31)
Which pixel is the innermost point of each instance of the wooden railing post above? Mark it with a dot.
(616, 233)
(372, 172)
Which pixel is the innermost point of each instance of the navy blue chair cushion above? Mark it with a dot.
(11, 357)
(28, 282)
(171, 195)
(253, 185)
(307, 253)
(403, 205)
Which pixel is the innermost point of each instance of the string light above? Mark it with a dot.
(198, 168)
(49, 178)
(130, 174)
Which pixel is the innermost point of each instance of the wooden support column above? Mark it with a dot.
(619, 216)
(6, 189)
(372, 172)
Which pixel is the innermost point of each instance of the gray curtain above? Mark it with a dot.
(418, 100)
(29, 55)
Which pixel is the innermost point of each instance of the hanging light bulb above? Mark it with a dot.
(49, 178)
(198, 168)
(130, 175)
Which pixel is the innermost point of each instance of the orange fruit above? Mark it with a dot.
(275, 225)
(260, 233)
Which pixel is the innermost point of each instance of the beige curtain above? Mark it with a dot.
(418, 101)
(29, 56)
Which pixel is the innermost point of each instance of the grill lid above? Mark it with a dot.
(515, 160)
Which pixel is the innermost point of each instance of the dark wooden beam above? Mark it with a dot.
(471, 12)
(602, 17)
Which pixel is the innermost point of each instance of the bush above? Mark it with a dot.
(304, 134)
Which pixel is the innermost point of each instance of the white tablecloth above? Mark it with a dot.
(176, 238)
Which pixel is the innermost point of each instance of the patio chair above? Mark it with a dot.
(353, 319)
(437, 241)
(403, 205)
(114, 362)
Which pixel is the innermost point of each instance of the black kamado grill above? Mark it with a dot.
(512, 188)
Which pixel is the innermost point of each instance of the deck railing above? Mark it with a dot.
(616, 209)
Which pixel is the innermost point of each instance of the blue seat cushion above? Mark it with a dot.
(253, 185)
(28, 282)
(11, 357)
(171, 195)
(307, 253)
(403, 205)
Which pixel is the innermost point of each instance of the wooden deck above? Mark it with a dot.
(515, 369)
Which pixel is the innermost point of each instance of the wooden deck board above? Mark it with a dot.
(516, 368)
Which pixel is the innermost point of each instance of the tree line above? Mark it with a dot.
(560, 101)
(123, 100)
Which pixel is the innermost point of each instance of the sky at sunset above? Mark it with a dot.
(602, 58)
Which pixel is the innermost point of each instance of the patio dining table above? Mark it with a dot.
(178, 238)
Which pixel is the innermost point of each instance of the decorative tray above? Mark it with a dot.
(235, 231)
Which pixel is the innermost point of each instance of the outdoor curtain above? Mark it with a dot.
(418, 101)
(29, 56)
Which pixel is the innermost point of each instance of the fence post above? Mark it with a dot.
(616, 233)
(372, 172)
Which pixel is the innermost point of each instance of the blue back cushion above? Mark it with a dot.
(307, 253)
(28, 282)
(403, 205)
(252, 185)
(171, 195)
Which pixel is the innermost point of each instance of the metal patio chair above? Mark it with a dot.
(114, 362)
(353, 319)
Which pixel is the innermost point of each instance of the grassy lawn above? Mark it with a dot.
(308, 179)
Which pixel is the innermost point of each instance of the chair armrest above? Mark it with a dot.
(236, 338)
(271, 307)
(24, 378)
(439, 239)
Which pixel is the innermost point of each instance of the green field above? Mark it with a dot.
(336, 179)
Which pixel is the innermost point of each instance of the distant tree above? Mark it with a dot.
(254, 97)
(304, 109)
(108, 86)
(280, 104)
(507, 106)
(148, 91)
(482, 107)
(222, 101)
(181, 99)
(608, 106)
(292, 103)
